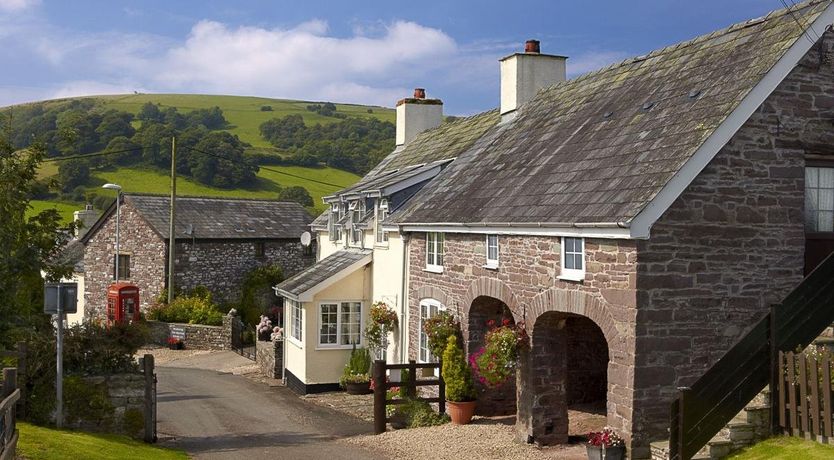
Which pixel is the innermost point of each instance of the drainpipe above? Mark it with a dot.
(404, 298)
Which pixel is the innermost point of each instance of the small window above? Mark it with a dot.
(124, 267)
(573, 259)
(819, 199)
(335, 229)
(428, 308)
(434, 252)
(381, 215)
(340, 324)
(260, 249)
(491, 251)
(295, 311)
(355, 226)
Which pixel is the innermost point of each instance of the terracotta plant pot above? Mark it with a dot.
(461, 412)
(361, 388)
(611, 453)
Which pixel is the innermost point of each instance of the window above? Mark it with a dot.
(573, 259)
(819, 199)
(491, 251)
(355, 217)
(381, 214)
(340, 324)
(428, 308)
(260, 249)
(124, 267)
(295, 312)
(434, 252)
(335, 229)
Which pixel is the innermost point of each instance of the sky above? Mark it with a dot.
(354, 51)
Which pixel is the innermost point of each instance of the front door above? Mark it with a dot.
(819, 212)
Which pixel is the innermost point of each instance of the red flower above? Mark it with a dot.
(505, 322)
(491, 323)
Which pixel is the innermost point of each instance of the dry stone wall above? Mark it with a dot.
(269, 356)
(197, 336)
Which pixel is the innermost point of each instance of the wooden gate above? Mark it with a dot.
(382, 385)
(805, 394)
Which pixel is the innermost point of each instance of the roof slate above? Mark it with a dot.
(322, 270)
(222, 218)
(598, 148)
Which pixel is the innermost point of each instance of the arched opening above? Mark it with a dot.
(491, 401)
(567, 378)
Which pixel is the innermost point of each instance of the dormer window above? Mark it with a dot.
(335, 229)
(381, 214)
(355, 209)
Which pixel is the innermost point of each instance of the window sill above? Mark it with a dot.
(572, 277)
(491, 266)
(433, 269)
(295, 342)
(337, 347)
(381, 246)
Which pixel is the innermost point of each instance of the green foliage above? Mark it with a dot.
(73, 173)
(423, 415)
(457, 374)
(256, 294)
(297, 194)
(383, 320)
(194, 308)
(438, 329)
(220, 162)
(785, 447)
(133, 421)
(266, 108)
(358, 368)
(86, 401)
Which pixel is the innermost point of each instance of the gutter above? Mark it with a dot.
(620, 224)
(404, 295)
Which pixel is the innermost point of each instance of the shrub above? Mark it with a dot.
(358, 368)
(195, 308)
(256, 294)
(439, 328)
(495, 363)
(266, 108)
(456, 372)
(423, 415)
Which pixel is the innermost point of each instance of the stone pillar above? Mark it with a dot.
(228, 336)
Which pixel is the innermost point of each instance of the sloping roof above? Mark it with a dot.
(72, 255)
(597, 149)
(324, 270)
(218, 218)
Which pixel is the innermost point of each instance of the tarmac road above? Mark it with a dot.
(216, 415)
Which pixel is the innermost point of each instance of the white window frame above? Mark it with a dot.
(381, 236)
(423, 353)
(435, 248)
(335, 228)
(356, 234)
(819, 202)
(492, 263)
(295, 315)
(570, 274)
(339, 305)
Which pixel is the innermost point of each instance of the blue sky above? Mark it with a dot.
(371, 52)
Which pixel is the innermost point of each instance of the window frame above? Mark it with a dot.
(572, 274)
(492, 263)
(260, 249)
(124, 266)
(435, 249)
(422, 337)
(339, 323)
(335, 216)
(381, 235)
(816, 233)
(295, 317)
(356, 234)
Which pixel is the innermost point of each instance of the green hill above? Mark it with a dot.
(244, 116)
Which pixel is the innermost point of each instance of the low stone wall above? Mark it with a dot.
(269, 357)
(106, 404)
(197, 336)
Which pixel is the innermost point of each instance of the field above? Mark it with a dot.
(65, 209)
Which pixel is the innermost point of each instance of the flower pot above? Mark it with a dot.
(461, 412)
(610, 453)
(360, 388)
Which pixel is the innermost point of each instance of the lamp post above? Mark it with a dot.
(118, 190)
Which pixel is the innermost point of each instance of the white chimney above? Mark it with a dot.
(524, 74)
(417, 114)
(85, 218)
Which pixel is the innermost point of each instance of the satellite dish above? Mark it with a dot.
(306, 238)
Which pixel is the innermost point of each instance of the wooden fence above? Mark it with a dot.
(8, 414)
(805, 394)
(382, 385)
(21, 365)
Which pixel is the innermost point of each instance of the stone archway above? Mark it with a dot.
(482, 311)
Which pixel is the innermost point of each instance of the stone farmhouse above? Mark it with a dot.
(637, 220)
(219, 240)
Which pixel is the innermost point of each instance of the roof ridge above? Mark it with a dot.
(202, 197)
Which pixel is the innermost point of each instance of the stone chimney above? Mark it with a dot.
(417, 114)
(524, 74)
(85, 219)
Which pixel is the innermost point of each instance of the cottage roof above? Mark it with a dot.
(323, 273)
(72, 254)
(217, 218)
(597, 150)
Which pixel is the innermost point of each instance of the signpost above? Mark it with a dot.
(59, 299)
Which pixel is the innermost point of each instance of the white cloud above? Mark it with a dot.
(17, 5)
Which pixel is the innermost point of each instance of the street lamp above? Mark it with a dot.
(118, 190)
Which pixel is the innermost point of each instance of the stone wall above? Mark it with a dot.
(730, 245)
(269, 357)
(147, 261)
(111, 404)
(222, 265)
(197, 336)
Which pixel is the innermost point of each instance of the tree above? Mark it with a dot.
(298, 194)
(114, 124)
(150, 112)
(218, 160)
(129, 151)
(72, 173)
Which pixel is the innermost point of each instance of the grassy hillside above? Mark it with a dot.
(65, 209)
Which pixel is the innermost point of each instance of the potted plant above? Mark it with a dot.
(175, 343)
(460, 390)
(438, 329)
(605, 445)
(383, 320)
(356, 378)
(495, 362)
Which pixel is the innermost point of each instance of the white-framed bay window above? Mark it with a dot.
(428, 308)
(434, 252)
(296, 320)
(340, 324)
(491, 251)
(573, 259)
(381, 214)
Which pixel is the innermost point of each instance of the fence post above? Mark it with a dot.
(22, 373)
(9, 385)
(683, 399)
(775, 372)
(380, 396)
(411, 389)
(150, 400)
(441, 389)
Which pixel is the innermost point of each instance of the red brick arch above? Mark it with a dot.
(576, 302)
(495, 288)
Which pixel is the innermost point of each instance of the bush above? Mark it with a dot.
(194, 308)
(456, 372)
(358, 368)
(438, 329)
(266, 108)
(423, 415)
(256, 294)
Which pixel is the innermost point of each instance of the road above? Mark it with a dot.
(217, 415)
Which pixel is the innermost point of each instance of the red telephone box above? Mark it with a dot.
(122, 303)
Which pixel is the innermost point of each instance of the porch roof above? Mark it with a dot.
(304, 285)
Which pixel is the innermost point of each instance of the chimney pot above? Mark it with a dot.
(532, 46)
(419, 93)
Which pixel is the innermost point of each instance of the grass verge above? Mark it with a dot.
(785, 448)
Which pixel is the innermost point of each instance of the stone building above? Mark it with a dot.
(218, 241)
(637, 219)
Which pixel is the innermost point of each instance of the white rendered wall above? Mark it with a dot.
(523, 75)
(414, 118)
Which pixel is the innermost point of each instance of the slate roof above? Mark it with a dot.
(322, 270)
(72, 255)
(598, 148)
(218, 218)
